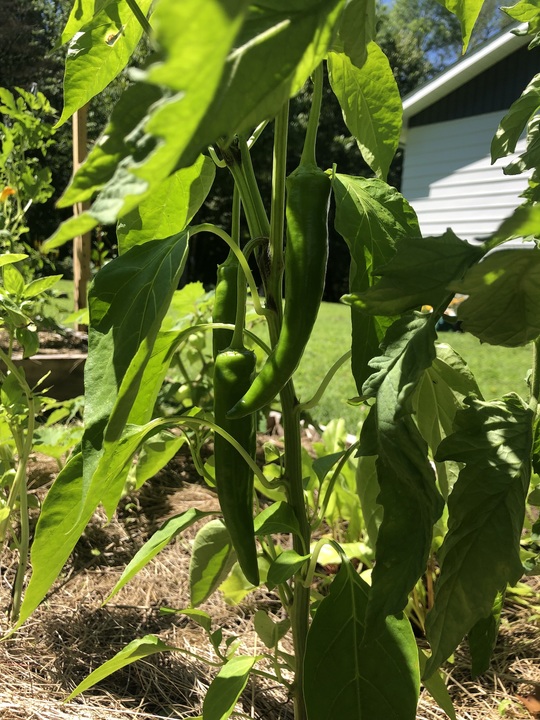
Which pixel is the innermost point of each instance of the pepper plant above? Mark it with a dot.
(434, 458)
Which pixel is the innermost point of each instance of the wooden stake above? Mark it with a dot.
(81, 244)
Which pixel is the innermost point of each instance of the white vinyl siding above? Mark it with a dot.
(450, 182)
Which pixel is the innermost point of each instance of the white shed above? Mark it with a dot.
(447, 129)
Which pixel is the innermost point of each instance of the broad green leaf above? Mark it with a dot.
(280, 47)
(371, 105)
(159, 540)
(483, 636)
(347, 677)
(505, 286)
(480, 554)
(285, 566)
(136, 650)
(436, 687)
(226, 687)
(418, 274)
(454, 371)
(236, 586)
(367, 487)
(81, 14)
(370, 216)
(36, 287)
(530, 158)
(513, 123)
(28, 339)
(467, 12)
(9, 258)
(128, 300)
(278, 517)
(408, 492)
(60, 524)
(99, 52)
(150, 128)
(169, 208)
(269, 631)
(211, 561)
(357, 30)
(524, 222)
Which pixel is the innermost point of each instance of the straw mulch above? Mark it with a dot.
(72, 633)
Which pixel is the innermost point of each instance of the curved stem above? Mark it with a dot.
(256, 134)
(315, 556)
(326, 381)
(308, 153)
(217, 161)
(141, 17)
(208, 227)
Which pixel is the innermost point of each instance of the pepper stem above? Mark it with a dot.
(308, 153)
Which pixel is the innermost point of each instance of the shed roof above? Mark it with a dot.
(463, 70)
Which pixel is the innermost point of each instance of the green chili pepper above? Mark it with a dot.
(233, 372)
(306, 255)
(225, 302)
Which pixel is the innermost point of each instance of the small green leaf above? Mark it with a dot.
(28, 339)
(278, 517)
(159, 540)
(480, 555)
(270, 632)
(226, 688)
(211, 561)
(348, 677)
(285, 566)
(9, 258)
(136, 650)
(156, 452)
(13, 280)
(371, 105)
(322, 465)
(505, 286)
(36, 287)
(526, 11)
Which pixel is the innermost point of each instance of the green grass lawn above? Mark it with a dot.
(497, 370)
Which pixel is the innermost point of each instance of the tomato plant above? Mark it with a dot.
(442, 475)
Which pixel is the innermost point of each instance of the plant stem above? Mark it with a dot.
(308, 153)
(141, 17)
(535, 377)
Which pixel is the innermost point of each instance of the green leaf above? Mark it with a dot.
(81, 14)
(199, 616)
(270, 632)
(436, 687)
(9, 258)
(322, 465)
(99, 52)
(278, 517)
(371, 216)
(226, 688)
(136, 650)
(128, 300)
(211, 561)
(170, 207)
(156, 452)
(526, 11)
(13, 280)
(36, 287)
(480, 554)
(505, 287)
(28, 339)
(285, 566)
(347, 677)
(513, 123)
(408, 492)
(483, 636)
(159, 540)
(467, 12)
(59, 526)
(357, 29)
(371, 105)
(367, 487)
(524, 222)
(418, 274)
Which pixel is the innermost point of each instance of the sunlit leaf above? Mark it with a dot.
(467, 12)
(504, 298)
(481, 552)
(212, 558)
(136, 650)
(369, 98)
(346, 677)
(278, 517)
(357, 29)
(513, 123)
(226, 687)
(285, 566)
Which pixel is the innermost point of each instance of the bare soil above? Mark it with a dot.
(72, 633)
